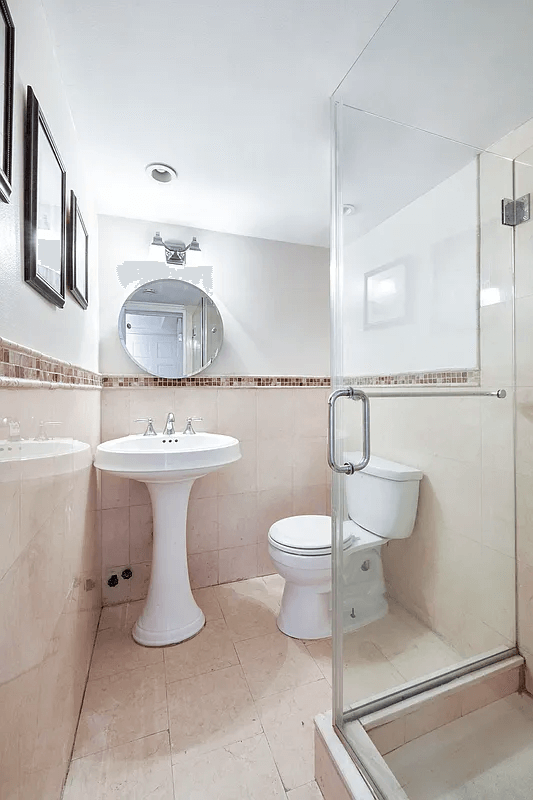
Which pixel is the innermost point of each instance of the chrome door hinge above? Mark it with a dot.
(515, 212)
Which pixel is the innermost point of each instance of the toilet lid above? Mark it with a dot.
(307, 533)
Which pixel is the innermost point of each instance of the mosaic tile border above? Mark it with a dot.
(224, 381)
(470, 377)
(20, 366)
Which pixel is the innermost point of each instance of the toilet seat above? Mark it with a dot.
(310, 535)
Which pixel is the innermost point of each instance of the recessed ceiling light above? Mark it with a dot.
(161, 173)
(348, 209)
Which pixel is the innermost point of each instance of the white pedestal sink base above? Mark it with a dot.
(170, 614)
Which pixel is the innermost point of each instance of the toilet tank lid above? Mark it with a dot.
(382, 468)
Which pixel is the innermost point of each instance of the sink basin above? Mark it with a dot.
(50, 457)
(168, 466)
(163, 459)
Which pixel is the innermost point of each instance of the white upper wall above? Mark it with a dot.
(420, 268)
(273, 297)
(70, 334)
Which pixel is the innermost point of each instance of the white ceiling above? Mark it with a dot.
(234, 94)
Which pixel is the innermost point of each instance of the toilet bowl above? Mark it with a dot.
(383, 496)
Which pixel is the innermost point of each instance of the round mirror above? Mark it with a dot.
(170, 328)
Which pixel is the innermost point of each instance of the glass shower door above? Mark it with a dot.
(423, 325)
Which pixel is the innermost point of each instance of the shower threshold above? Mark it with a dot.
(461, 740)
(485, 755)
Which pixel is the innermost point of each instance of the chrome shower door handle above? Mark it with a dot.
(353, 394)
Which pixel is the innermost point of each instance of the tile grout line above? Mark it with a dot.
(71, 759)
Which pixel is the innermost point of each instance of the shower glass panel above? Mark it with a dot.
(423, 309)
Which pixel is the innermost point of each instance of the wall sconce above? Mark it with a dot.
(173, 251)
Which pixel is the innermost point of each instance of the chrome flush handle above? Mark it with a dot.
(150, 430)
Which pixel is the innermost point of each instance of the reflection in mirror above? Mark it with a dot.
(170, 328)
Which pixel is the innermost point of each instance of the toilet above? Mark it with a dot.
(381, 502)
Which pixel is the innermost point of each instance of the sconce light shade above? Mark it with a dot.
(173, 251)
(157, 249)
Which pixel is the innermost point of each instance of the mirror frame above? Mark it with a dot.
(122, 336)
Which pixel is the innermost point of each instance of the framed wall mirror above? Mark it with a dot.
(78, 254)
(45, 213)
(170, 328)
(7, 80)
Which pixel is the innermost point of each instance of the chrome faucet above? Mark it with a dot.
(42, 436)
(150, 430)
(169, 429)
(189, 430)
(14, 428)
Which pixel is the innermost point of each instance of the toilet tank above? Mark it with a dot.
(383, 497)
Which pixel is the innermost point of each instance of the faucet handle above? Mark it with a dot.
(42, 436)
(189, 428)
(150, 430)
(14, 428)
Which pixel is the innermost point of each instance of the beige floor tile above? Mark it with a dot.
(135, 771)
(120, 616)
(244, 770)
(287, 720)
(321, 652)
(120, 708)
(425, 655)
(308, 792)
(366, 670)
(395, 633)
(252, 621)
(209, 650)
(210, 711)
(242, 596)
(275, 663)
(275, 585)
(207, 600)
(115, 651)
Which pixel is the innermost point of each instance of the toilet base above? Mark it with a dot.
(305, 613)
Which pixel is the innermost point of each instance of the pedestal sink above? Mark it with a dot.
(169, 466)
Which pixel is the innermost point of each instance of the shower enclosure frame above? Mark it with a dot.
(340, 715)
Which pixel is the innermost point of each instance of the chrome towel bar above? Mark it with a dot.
(499, 393)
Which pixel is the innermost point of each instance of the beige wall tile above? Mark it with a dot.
(115, 491)
(276, 413)
(203, 569)
(237, 413)
(237, 563)
(141, 530)
(389, 736)
(237, 520)
(115, 536)
(139, 494)
(274, 464)
(241, 516)
(202, 525)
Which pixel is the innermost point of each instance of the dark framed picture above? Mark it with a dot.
(7, 81)
(45, 208)
(78, 254)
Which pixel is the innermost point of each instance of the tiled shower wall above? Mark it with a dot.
(283, 471)
(50, 595)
